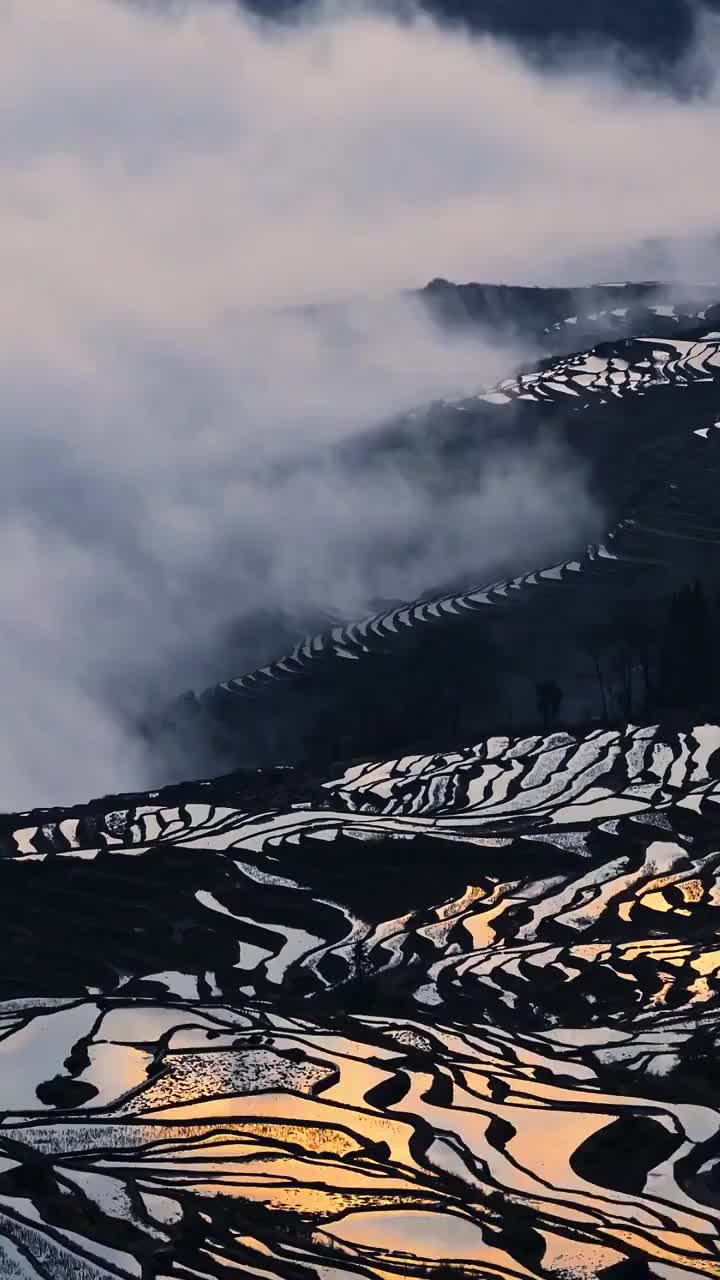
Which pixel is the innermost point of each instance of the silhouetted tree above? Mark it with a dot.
(632, 641)
(549, 699)
(594, 643)
(687, 669)
(645, 636)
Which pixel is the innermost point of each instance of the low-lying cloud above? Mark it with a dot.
(174, 186)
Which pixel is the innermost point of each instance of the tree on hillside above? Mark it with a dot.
(687, 652)
(622, 655)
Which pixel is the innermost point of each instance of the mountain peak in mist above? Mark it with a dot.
(651, 32)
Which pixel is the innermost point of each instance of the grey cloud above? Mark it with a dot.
(172, 187)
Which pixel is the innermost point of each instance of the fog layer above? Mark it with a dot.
(175, 182)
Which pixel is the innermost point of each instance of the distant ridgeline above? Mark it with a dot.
(565, 319)
(653, 32)
(623, 627)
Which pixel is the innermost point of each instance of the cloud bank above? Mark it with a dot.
(173, 185)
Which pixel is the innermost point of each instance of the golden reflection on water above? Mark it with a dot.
(660, 997)
(577, 1258)
(300, 1111)
(319, 1202)
(655, 901)
(479, 925)
(701, 991)
(692, 890)
(435, 1236)
(316, 1139)
(304, 1154)
(670, 1246)
(669, 950)
(708, 962)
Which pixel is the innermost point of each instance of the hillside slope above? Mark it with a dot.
(227, 1049)
(639, 414)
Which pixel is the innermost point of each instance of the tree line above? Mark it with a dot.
(646, 666)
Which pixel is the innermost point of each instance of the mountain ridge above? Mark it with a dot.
(639, 29)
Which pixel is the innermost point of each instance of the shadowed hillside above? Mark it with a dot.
(639, 415)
